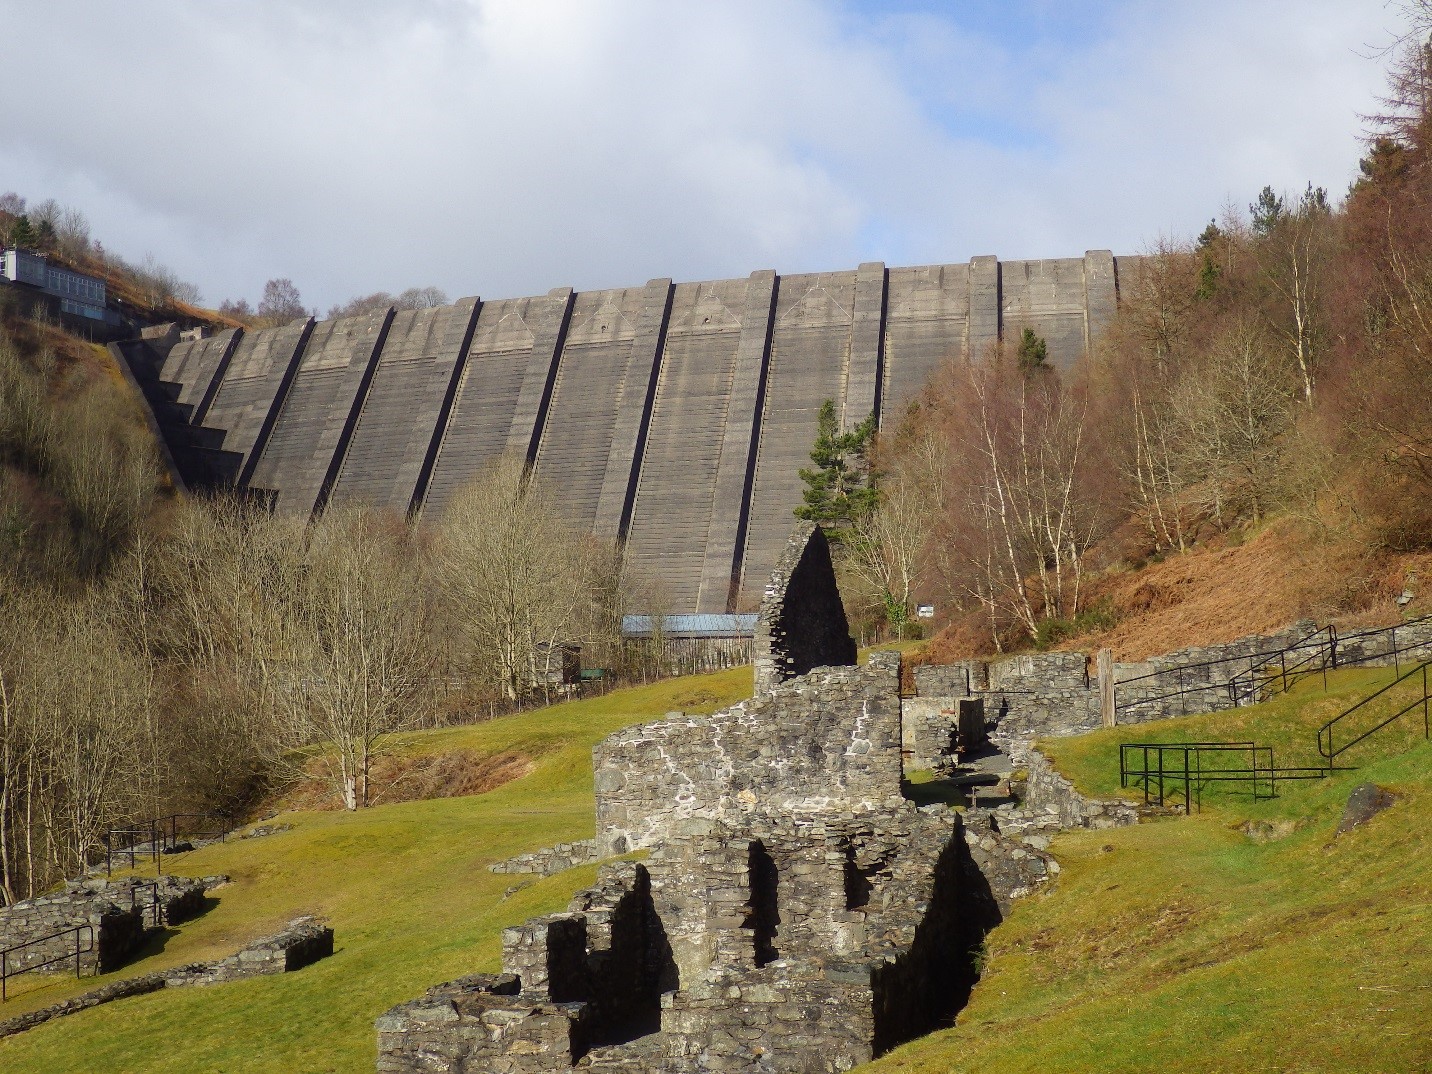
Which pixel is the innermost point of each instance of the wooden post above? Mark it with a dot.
(1107, 710)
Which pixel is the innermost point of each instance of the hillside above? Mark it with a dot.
(1287, 953)
(1251, 582)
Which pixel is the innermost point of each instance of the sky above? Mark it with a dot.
(505, 147)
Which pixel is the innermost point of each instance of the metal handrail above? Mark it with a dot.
(1325, 732)
(6, 973)
(161, 836)
(1324, 656)
(1324, 652)
(1222, 660)
(1193, 776)
(152, 886)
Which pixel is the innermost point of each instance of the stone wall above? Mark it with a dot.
(115, 909)
(1031, 694)
(826, 738)
(1404, 643)
(801, 625)
(1209, 678)
(1054, 799)
(550, 860)
(757, 942)
(302, 943)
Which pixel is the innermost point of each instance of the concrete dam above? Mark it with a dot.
(670, 417)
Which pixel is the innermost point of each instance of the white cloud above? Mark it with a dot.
(504, 147)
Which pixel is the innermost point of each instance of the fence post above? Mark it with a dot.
(1108, 711)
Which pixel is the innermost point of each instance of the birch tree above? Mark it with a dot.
(517, 580)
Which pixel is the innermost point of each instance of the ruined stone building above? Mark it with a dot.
(792, 912)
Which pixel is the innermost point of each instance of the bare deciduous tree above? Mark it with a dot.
(362, 661)
(1232, 407)
(518, 579)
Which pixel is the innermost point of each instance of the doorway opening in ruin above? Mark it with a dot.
(763, 916)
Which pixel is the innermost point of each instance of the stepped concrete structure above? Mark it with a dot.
(672, 417)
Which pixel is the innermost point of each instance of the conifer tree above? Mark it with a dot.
(840, 488)
(1033, 352)
(22, 235)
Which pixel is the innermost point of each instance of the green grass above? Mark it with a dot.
(405, 887)
(1186, 945)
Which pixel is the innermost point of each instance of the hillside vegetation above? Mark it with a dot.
(1257, 408)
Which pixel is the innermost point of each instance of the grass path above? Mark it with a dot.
(405, 887)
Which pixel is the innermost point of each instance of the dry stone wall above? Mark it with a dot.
(757, 942)
(300, 944)
(807, 745)
(115, 909)
(550, 860)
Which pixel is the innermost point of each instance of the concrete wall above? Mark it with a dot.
(674, 417)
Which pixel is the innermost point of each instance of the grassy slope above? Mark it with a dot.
(405, 887)
(1184, 945)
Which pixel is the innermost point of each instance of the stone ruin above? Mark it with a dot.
(793, 913)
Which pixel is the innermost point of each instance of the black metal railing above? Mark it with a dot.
(84, 944)
(1280, 674)
(152, 839)
(1315, 653)
(154, 905)
(1327, 734)
(1200, 677)
(1165, 770)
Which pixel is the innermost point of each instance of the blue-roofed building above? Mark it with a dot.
(682, 644)
(691, 626)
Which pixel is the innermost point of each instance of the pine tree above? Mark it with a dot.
(1033, 352)
(1267, 212)
(1208, 276)
(840, 488)
(22, 235)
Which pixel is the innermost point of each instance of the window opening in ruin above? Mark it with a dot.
(857, 882)
(763, 916)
